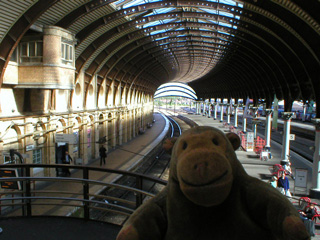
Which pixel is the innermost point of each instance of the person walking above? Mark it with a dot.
(103, 155)
(67, 160)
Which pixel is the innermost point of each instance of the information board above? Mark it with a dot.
(9, 173)
(66, 138)
(250, 141)
(301, 178)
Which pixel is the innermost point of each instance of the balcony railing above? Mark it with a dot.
(60, 196)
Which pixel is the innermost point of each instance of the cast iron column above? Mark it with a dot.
(228, 108)
(221, 112)
(215, 110)
(244, 120)
(315, 191)
(268, 127)
(235, 115)
(286, 135)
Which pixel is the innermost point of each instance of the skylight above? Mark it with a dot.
(180, 17)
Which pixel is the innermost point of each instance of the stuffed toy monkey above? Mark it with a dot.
(210, 196)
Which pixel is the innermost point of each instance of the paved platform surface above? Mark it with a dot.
(260, 169)
(123, 157)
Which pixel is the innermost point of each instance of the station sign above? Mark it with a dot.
(292, 137)
(30, 148)
(66, 138)
(9, 173)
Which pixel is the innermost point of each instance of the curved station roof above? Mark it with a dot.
(222, 49)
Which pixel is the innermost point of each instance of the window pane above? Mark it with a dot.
(24, 49)
(67, 53)
(14, 55)
(62, 51)
(39, 49)
(37, 156)
(70, 53)
(32, 49)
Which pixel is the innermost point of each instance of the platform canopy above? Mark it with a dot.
(221, 48)
(175, 90)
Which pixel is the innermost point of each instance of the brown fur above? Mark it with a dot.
(210, 196)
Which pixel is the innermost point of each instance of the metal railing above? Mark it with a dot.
(37, 193)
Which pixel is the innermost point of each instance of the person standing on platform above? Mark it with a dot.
(287, 168)
(67, 160)
(103, 155)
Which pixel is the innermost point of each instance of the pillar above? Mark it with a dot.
(304, 112)
(197, 106)
(228, 110)
(315, 190)
(215, 110)
(235, 116)
(244, 121)
(255, 123)
(221, 113)
(96, 132)
(203, 108)
(134, 113)
(268, 127)
(286, 135)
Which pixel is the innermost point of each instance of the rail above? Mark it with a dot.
(174, 130)
(36, 195)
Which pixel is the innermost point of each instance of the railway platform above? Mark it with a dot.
(124, 157)
(260, 169)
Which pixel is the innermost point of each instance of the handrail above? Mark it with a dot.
(28, 199)
(109, 170)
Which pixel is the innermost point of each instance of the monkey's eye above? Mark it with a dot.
(184, 146)
(215, 142)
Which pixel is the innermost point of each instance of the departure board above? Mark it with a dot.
(9, 173)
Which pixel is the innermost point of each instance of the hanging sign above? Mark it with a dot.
(66, 138)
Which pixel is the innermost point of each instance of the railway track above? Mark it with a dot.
(155, 165)
(301, 145)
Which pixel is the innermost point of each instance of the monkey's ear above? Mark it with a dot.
(234, 139)
(168, 144)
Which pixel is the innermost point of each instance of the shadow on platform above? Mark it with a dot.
(53, 228)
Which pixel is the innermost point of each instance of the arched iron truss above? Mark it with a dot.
(249, 48)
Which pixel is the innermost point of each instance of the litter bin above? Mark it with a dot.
(79, 161)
